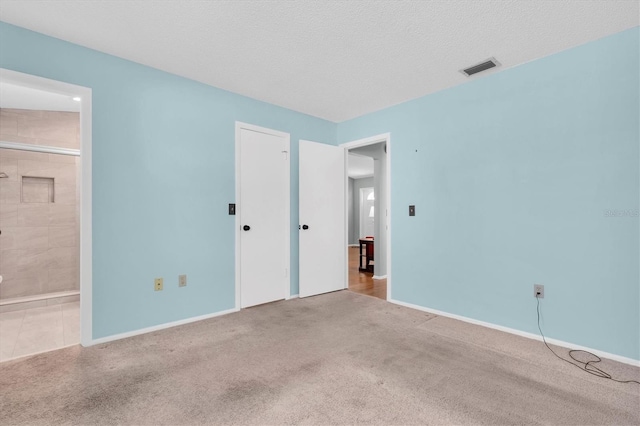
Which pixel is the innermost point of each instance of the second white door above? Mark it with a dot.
(323, 245)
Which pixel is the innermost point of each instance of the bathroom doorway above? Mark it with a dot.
(40, 200)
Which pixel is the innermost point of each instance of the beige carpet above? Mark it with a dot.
(340, 358)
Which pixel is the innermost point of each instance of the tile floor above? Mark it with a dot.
(35, 330)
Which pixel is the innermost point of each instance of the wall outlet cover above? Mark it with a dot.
(538, 291)
(182, 280)
(158, 284)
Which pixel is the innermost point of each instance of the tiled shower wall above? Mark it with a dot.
(39, 243)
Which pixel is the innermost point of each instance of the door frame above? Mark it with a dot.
(85, 182)
(384, 137)
(287, 218)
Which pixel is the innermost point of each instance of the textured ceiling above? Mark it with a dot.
(331, 59)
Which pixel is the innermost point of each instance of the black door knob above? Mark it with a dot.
(246, 227)
(305, 226)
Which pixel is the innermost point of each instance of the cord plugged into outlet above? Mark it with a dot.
(538, 291)
(588, 365)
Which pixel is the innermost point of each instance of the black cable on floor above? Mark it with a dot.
(588, 366)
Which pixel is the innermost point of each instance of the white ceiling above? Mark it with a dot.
(20, 97)
(359, 166)
(331, 59)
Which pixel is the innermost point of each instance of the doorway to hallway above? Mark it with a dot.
(368, 230)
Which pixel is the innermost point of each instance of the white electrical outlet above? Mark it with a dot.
(182, 280)
(538, 291)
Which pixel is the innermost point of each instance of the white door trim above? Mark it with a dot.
(240, 125)
(384, 137)
(85, 176)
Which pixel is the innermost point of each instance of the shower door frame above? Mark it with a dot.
(84, 181)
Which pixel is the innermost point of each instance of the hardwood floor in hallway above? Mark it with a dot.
(363, 282)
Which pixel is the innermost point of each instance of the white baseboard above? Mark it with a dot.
(354, 245)
(292, 296)
(158, 327)
(379, 277)
(528, 335)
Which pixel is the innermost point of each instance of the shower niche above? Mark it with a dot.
(37, 189)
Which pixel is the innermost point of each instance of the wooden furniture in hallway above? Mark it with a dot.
(366, 255)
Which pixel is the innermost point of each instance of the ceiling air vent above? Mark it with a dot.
(482, 66)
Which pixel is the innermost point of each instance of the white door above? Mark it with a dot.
(323, 245)
(263, 215)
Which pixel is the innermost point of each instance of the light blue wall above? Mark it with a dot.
(511, 175)
(163, 174)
